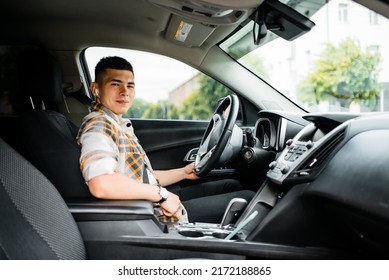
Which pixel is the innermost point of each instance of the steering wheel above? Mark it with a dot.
(217, 135)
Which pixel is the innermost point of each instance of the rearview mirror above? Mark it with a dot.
(280, 19)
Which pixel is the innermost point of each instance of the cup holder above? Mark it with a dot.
(223, 235)
(191, 233)
(206, 233)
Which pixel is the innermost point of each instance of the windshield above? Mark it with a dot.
(341, 64)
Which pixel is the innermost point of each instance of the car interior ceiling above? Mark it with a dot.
(35, 182)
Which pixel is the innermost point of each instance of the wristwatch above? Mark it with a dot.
(164, 194)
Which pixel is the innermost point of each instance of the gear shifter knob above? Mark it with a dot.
(235, 205)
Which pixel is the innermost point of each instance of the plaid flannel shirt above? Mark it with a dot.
(109, 145)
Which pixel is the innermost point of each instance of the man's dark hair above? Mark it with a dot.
(111, 62)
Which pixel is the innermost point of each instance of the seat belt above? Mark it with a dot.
(81, 97)
(145, 175)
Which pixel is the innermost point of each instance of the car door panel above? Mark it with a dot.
(167, 142)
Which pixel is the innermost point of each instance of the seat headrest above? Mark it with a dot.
(40, 76)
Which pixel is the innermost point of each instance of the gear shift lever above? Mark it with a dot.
(235, 205)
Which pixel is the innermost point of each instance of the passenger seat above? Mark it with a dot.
(35, 221)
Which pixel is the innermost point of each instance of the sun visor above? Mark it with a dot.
(193, 21)
(210, 11)
(187, 32)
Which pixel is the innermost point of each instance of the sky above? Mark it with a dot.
(155, 75)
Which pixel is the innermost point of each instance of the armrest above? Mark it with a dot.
(110, 210)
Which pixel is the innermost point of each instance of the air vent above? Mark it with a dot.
(317, 159)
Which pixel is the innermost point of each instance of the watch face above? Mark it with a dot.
(164, 193)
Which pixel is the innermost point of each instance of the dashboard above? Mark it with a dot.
(329, 173)
(303, 154)
(273, 128)
(296, 143)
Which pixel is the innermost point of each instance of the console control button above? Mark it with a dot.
(289, 142)
(272, 165)
(285, 169)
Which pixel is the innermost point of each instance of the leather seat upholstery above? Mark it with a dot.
(50, 137)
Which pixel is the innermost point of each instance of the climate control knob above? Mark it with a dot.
(289, 142)
(272, 165)
(284, 169)
(309, 144)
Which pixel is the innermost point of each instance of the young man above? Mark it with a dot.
(115, 166)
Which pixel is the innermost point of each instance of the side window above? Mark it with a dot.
(164, 88)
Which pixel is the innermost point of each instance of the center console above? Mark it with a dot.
(129, 230)
(302, 158)
(295, 152)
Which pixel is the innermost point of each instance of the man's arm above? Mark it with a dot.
(168, 177)
(120, 186)
(98, 170)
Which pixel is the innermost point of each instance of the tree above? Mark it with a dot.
(194, 108)
(344, 73)
(201, 103)
(138, 107)
(211, 91)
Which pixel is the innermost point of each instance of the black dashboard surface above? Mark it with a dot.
(332, 177)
